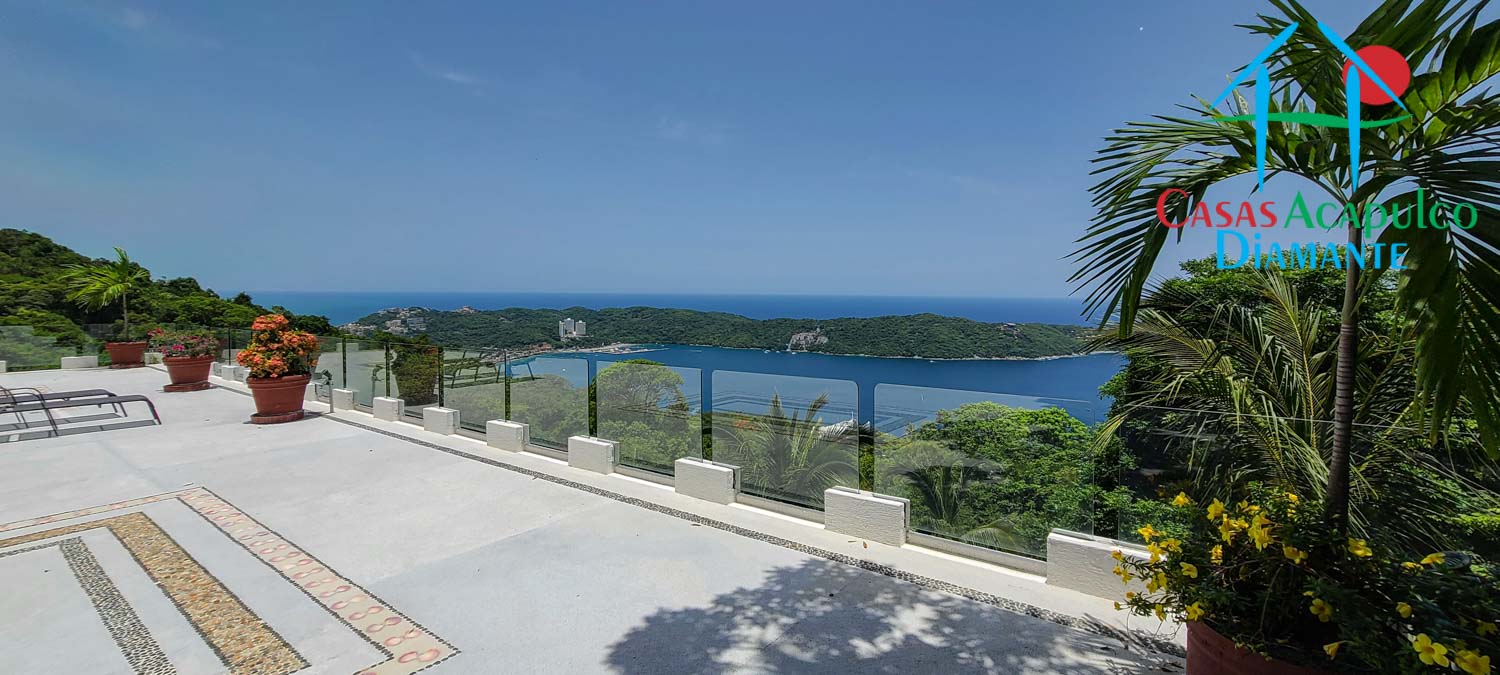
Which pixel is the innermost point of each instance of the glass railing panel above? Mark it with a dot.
(550, 393)
(328, 373)
(34, 348)
(651, 410)
(993, 470)
(793, 437)
(414, 375)
(361, 367)
(474, 385)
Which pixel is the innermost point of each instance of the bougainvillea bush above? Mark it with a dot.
(275, 350)
(188, 343)
(1272, 575)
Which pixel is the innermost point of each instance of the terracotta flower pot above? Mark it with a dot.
(278, 399)
(188, 373)
(126, 354)
(1209, 653)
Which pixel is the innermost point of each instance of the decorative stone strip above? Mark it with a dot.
(408, 645)
(243, 642)
(136, 643)
(1138, 641)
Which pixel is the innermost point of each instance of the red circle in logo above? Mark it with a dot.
(1389, 65)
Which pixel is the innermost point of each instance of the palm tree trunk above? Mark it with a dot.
(1336, 502)
(125, 313)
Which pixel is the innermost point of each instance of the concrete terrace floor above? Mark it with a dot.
(335, 545)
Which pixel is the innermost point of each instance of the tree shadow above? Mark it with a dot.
(826, 617)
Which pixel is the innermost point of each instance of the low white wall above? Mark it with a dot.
(867, 515)
(507, 435)
(1086, 564)
(711, 481)
(342, 399)
(388, 408)
(73, 362)
(593, 454)
(440, 420)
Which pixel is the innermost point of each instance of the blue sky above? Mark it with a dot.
(831, 147)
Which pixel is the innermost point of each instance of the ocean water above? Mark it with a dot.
(343, 307)
(891, 392)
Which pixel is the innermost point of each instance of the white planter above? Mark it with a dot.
(593, 454)
(867, 515)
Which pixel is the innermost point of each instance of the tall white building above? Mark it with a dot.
(579, 328)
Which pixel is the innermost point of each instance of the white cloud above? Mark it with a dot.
(443, 73)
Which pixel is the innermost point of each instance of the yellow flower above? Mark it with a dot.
(1189, 570)
(1332, 648)
(1472, 662)
(1260, 532)
(1129, 595)
(1182, 500)
(1434, 559)
(1321, 609)
(1148, 532)
(1215, 510)
(1293, 553)
(1173, 545)
(1292, 497)
(1124, 574)
(1431, 653)
(1404, 610)
(1193, 611)
(1359, 548)
(1155, 552)
(1118, 607)
(1229, 528)
(1411, 566)
(1161, 612)
(1216, 554)
(1486, 628)
(1117, 555)
(1156, 583)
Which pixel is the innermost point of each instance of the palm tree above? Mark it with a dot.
(1448, 149)
(1246, 394)
(793, 454)
(97, 285)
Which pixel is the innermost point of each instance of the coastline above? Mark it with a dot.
(626, 348)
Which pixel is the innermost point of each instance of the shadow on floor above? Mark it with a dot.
(827, 617)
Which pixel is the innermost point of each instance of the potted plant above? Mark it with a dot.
(1268, 585)
(96, 286)
(281, 362)
(188, 356)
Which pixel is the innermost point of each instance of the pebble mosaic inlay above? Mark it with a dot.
(409, 646)
(135, 642)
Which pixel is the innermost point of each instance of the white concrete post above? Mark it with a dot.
(1086, 564)
(593, 454)
(440, 420)
(74, 362)
(342, 399)
(2, 366)
(711, 481)
(507, 435)
(388, 408)
(879, 518)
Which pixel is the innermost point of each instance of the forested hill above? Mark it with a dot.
(34, 293)
(925, 335)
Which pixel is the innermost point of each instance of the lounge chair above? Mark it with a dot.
(24, 400)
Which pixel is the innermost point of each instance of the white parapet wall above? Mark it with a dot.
(507, 435)
(711, 481)
(440, 420)
(867, 515)
(388, 408)
(1086, 564)
(593, 454)
(342, 399)
(72, 362)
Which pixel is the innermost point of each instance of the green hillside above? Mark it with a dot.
(925, 335)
